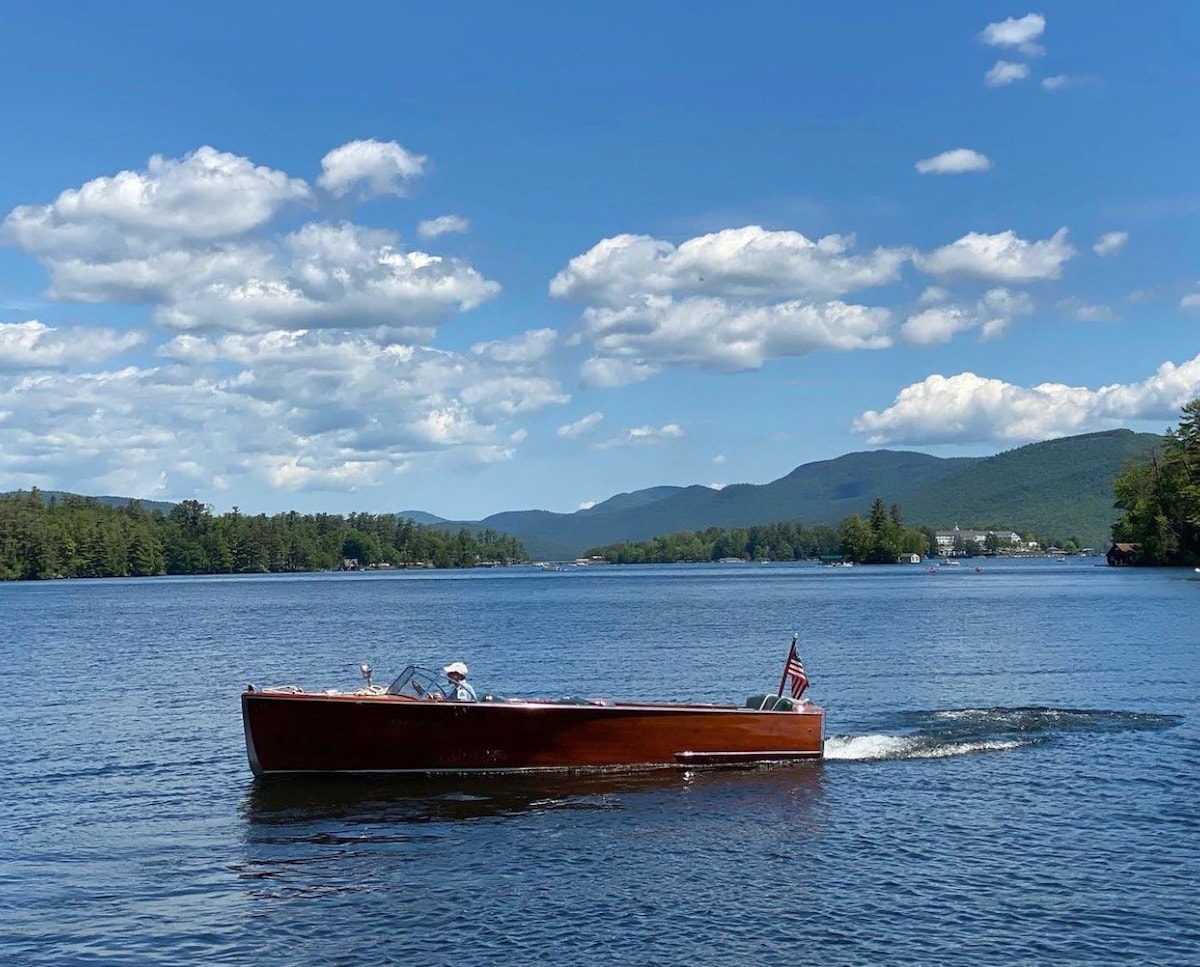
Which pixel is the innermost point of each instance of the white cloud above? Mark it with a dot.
(600, 372)
(290, 472)
(531, 346)
(1190, 301)
(296, 410)
(495, 396)
(1005, 72)
(954, 162)
(201, 197)
(443, 225)
(967, 408)
(581, 427)
(176, 237)
(34, 345)
(737, 263)
(936, 325)
(1061, 82)
(726, 301)
(336, 276)
(991, 315)
(932, 295)
(1079, 310)
(719, 460)
(1002, 257)
(379, 167)
(643, 436)
(714, 334)
(1110, 243)
(1018, 32)
(587, 504)
(340, 276)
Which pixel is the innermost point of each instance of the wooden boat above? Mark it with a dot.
(412, 726)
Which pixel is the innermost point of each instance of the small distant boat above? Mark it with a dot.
(414, 726)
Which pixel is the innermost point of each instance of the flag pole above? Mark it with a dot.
(787, 661)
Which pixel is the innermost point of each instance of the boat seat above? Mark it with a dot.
(771, 703)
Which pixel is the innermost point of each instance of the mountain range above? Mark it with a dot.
(1056, 490)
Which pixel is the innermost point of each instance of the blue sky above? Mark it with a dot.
(476, 258)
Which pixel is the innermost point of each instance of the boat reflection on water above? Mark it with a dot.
(284, 801)
(430, 838)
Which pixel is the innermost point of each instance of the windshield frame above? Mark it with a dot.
(420, 683)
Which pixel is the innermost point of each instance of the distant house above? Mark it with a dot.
(349, 563)
(947, 541)
(1122, 555)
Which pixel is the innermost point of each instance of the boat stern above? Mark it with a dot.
(251, 753)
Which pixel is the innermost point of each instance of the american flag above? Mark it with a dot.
(794, 669)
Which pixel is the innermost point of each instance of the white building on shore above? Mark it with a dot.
(948, 541)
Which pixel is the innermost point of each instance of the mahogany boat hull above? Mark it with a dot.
(303, 733)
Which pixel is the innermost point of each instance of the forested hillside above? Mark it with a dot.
(79, 537)
(1056, 490)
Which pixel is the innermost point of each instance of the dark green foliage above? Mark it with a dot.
(1160, 497)
(785, 541)
(73, 536)
(1052, 491)
(882, 538)
(639, 498)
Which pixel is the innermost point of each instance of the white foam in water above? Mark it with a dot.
(965, 748)
(866, 747)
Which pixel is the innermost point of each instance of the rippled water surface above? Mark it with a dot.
(1012, 772)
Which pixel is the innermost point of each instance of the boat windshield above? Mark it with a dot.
(417, 682)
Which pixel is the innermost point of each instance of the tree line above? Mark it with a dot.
(1160, 498)
(881, 537)
(784, 541)
(80, 537)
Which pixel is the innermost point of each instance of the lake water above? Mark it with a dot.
(1013, 772)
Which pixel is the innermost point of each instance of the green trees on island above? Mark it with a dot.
(786, 541)
(880, 538)
(1160, 498)
(79, 537)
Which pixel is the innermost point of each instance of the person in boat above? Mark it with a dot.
(456, 671)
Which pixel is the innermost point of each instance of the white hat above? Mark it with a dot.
(456, 666)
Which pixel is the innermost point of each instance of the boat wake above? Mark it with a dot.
(968, 731)
(907, 747)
